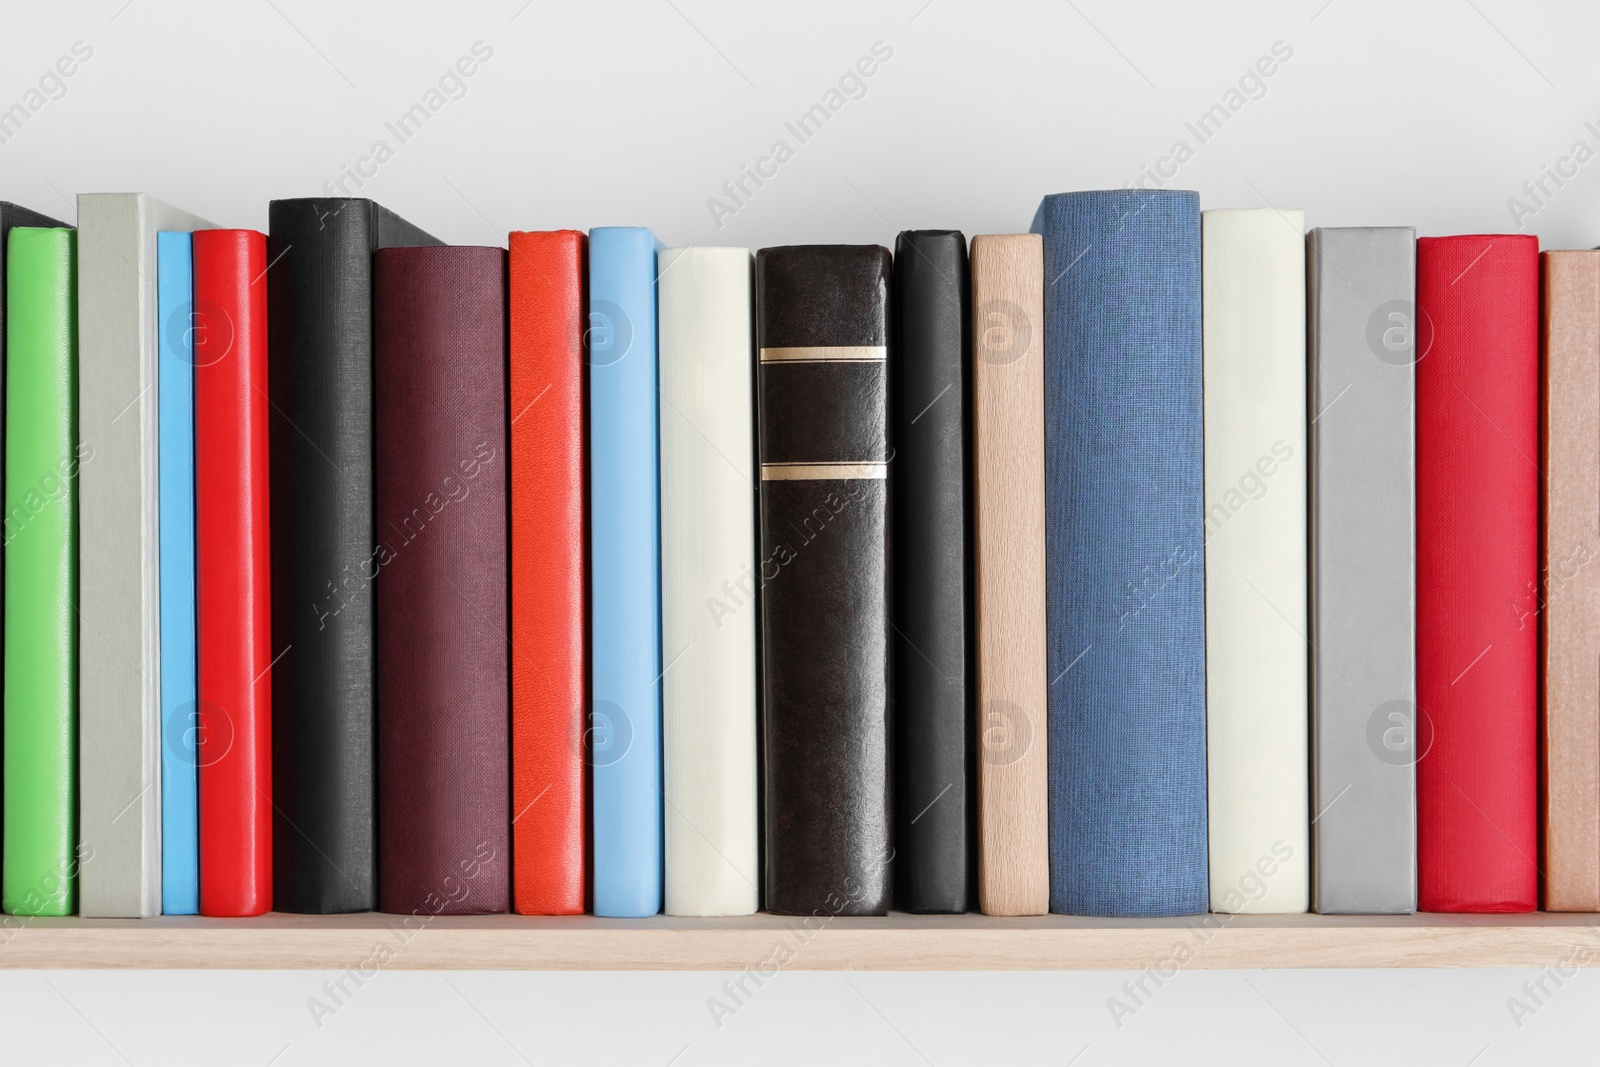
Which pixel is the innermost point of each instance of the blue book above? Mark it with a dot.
(1124, 552)
(180, 810)
(625, 572)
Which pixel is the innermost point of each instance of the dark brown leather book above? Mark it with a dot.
(824, 577)
(439, 373)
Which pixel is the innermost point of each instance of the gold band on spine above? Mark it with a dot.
(845, 354)
(816, 472)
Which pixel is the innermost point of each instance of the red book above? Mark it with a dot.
(1477, 562)
(232, 589)
(549, 542)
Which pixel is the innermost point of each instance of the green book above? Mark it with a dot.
(40, 868)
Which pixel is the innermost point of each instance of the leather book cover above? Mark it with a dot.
(822, 395)
(119, 562)
(624, 731)
(930, 413)
(39, 872)
(1257, 714)
(1364, 346)
(444, 760)
(180, 812)
(1009, 576)
(1477, 568)
(549, 578)
(234, 590)
(1124, 552)
(323, 547)
(709, 583)
(1567, 598)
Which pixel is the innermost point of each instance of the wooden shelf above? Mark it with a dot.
(895, 942)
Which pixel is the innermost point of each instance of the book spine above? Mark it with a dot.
(1362, 312)
(624, 731)
(439, 366)
(1567, 599)
(1257, 721)
(822, 392)
(234, 753)
(42, 457)
(1124, 556)
(1477, 563)
(931, 415)
(1009, 590)
(708, 582)
(549, 577)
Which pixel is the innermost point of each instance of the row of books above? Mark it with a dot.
(1117, 568)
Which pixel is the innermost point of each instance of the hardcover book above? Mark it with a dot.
(709, 582)
(119, 590)
(931, 413)
(1124, 552)
(822, 393)
(439, 366)
(324, 560)
(1364, 348)
(1257, 741)
(1477, 566)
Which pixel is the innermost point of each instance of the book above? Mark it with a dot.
(40, 869)
(1477, 564)
(708, 582)
(439, 371)
(119, 564)
(1124, 552)
(180, 810)
(1566, 601)
(1009, 573)
(822, 396)
(931, 414)
(234, 592)
(323, 560)
(549, 578)
(1363, 334)
(624, 732)
(1257, 733)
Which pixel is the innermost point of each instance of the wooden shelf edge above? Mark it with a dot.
(764, 943)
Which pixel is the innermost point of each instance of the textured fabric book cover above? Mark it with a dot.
(822, 396)
(624, 734)
(1008, 548)
(708, 582)
(235, 590)
(180, 812)
(1124, 556)
(324, 560)
(1258, 748)
(1477, 563)
(39, 874)
(1364, 346)
(1567, 599)
(444, 760)
(931, 413)
(549, 579)
(119, 565)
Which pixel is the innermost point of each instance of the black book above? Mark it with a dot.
(822, 398)
(935, 809)
(324, 555)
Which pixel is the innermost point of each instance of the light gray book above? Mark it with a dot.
(1364, 346)
(119, 657)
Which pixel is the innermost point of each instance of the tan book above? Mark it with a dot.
(1008, 494)
(1567, 600)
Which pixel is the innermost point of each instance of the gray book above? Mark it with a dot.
(1364, 346)
(119, 657)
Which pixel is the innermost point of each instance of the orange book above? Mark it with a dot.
(549, 573)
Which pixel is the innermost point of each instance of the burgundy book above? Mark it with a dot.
(439, 385)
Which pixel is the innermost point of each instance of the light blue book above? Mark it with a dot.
(625, 572)
(180, 810)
